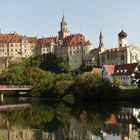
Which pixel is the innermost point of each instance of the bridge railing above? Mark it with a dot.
(15, 86)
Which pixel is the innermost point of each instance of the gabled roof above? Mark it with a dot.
(110, 68)
(96, 70)
(10, 38)
(122, 69)
(111, 120)
(76, 39)
(125, 69)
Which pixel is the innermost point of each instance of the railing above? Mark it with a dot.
(15, 87)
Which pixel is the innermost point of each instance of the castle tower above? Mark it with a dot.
(122, 39)
(101, 47)
(63, 28)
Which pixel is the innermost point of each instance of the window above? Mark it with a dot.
(122, 57)
(107, 55)
(103, 59)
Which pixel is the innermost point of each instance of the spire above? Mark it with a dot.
(101, 36)
(101, 43)
(63, 19)
(63, 28)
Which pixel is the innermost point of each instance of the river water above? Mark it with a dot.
(40, 119)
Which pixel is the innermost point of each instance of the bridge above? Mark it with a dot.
(15, 87)
(15, 106)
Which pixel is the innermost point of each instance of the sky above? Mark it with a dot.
(42, 18)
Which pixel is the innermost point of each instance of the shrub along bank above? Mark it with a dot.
(56, 80)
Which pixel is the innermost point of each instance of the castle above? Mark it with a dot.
(73, 46)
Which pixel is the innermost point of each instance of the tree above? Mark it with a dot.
(137, 76)
(41, 80)
(12, 75)
(50, 62)
(62, 85)
(93, 87)
(63, 65)
(117, 81)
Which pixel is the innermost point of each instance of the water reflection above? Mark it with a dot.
(47, 120)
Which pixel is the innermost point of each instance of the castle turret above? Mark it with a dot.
(63, 29)
(101, 47)
(122, 39)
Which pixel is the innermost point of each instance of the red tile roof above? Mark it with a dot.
(125, 69)
(111, 120)
(110, 68)
(96, 70)
(76, 39)
(121, 49)
(32, 39)
(10, 38)
(122, 69)
(49, 40)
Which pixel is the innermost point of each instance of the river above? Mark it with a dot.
(40, 119)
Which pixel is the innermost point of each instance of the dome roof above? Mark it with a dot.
(122, 34)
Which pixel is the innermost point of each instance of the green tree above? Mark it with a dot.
(117, 81)
(41, 80)
(92, 86)
(62, 85)
(137, 76)
(12, 75)
(63, 65)
(50, 62)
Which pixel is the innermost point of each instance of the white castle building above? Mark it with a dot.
(72, 46)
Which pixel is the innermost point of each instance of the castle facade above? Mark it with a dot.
(75, 47)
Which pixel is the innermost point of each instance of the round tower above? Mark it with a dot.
(122, 39)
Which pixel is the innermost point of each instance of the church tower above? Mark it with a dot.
(101, 47)
(63, 28)
(122, 39)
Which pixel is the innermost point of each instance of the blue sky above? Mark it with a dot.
(42, 18)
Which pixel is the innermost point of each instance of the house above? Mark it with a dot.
(125, 72)
(96, 70)
(107, 72)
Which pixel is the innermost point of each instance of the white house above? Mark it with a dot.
(125, 72)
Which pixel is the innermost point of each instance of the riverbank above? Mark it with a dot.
(129, 95)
